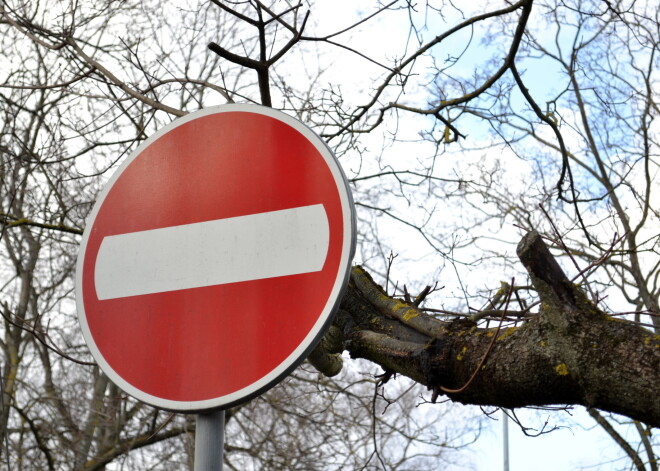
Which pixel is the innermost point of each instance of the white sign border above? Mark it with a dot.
(324, 319)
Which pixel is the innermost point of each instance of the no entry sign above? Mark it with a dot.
(214, 258)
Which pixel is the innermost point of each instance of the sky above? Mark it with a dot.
(578, 443)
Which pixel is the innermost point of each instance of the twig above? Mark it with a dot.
(37, 334)
(161, 426)
(390, 260)
(602, 258)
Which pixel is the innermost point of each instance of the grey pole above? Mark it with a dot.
(505, 441)
(209, 441)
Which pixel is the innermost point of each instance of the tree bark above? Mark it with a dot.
(569, 353)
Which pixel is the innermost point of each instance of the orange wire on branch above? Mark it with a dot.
(490, 347)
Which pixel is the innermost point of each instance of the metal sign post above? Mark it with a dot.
(209, 441)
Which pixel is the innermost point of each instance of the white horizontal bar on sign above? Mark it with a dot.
(244, 248)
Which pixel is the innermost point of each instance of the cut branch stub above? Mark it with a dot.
(326, 356)
(560, 298)
(548, 278)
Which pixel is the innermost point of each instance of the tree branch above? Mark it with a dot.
(569, 353)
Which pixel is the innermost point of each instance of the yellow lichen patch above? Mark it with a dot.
(410, 314)
(459, 357)
(647, 340)
(561, 369)
(543, 343)
(508, 332)
(398, 306)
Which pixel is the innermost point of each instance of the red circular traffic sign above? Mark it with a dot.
(214, 258)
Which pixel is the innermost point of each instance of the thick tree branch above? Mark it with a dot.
(569, 353)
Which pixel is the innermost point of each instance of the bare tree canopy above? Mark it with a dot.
(503, 161)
